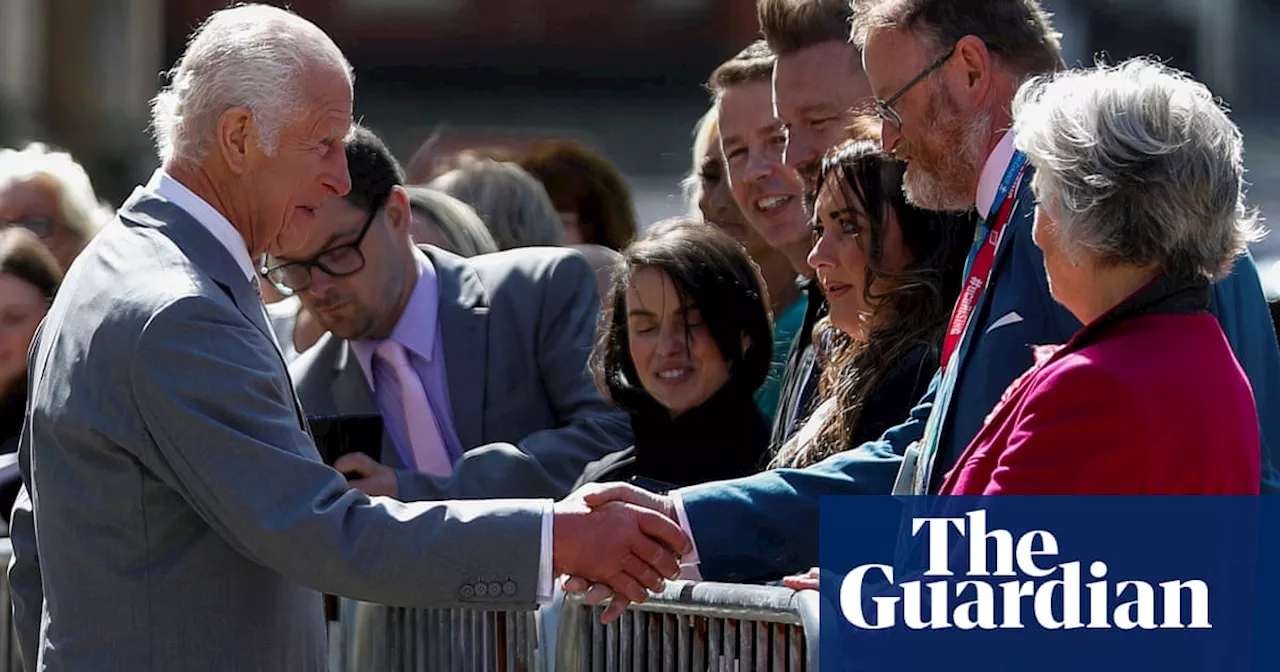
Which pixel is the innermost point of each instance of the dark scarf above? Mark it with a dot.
(726, 437)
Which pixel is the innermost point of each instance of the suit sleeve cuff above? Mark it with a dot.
(546, 578)
(689, 563)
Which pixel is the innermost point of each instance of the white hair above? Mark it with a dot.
(512, 203)
(251, 56)
(1138, 163)
(81, 210)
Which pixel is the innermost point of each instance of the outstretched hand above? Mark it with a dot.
(615, 494)
(628, 548)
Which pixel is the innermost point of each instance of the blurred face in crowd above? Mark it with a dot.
(308, 166)
(22, 306)
(366, 302)
(944, 145)
(768, 192)
(676, 359)
(814, 89)
(572, 228)
(33, 204)
(840, 256)
(718, 206)
(426, 231)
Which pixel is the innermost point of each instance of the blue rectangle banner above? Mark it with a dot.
(1045, 584)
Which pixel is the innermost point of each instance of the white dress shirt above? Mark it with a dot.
(988, 184)
(173, 191)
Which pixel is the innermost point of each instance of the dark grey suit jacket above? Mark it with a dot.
(181, 517)
(518, 328)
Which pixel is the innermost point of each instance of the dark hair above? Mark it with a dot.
(1017, 31)
(792, 25)
(374, 169)
(752, 64)
(23, 256)
(581, 181)
(709, 270)
(911, 314)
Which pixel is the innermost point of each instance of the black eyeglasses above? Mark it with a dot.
(337, 262)
(41, 226)
(884, 108)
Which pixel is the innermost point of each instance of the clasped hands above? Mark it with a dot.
(617, 541)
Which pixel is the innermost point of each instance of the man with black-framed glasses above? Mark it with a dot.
(477, 366)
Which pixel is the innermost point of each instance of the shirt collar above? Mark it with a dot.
(416, 330)
(173, 191)
(993, 173)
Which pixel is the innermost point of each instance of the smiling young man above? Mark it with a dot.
(495, 347)
(770, 195)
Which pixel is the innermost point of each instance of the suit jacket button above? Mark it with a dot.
(509, 588)
(495, 589)
(468, 592)
(481, 589)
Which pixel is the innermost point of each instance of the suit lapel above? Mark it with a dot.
(353, 396)
(464, 326)
(1023, 210)
(204, 250)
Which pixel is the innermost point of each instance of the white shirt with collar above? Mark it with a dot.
(164, 186)
(173, 191)
(992, 173)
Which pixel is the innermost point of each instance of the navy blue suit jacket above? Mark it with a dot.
(764, 526)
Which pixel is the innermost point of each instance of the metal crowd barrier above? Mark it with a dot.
(689, 627)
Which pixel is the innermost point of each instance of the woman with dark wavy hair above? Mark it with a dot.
(890, 272)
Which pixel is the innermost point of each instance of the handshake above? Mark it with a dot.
(616, 540)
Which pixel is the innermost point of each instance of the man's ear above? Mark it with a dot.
(398, 213)
(235, 134)
(976, 65)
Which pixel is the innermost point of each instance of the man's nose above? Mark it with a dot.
(890, 136)
(335, 177)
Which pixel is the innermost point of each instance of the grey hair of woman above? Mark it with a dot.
(513, 204)
(460, 228)
(1137, 164)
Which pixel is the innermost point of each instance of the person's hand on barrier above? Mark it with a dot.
(806, 581)
(368, 476)
(629, 549)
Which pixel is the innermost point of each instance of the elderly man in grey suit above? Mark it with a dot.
(180, 517)
(493, 349)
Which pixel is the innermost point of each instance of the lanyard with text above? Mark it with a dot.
(978, 268)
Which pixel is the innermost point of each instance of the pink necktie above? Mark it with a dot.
(429, 452)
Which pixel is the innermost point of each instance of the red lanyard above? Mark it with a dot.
(978, 274)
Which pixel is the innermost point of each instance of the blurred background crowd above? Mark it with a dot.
(624, 77)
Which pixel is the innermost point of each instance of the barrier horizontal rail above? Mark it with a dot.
(691, 627)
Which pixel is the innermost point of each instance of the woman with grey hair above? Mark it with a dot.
(1140, 192)
(511, 202)
(442, 220)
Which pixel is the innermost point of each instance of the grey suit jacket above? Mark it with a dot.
(180, 517)
(518, 328)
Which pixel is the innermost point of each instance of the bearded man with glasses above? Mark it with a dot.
(477, 366)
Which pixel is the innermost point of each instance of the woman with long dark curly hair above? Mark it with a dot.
(890, 272)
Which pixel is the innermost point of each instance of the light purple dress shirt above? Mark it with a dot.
(419, 332)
